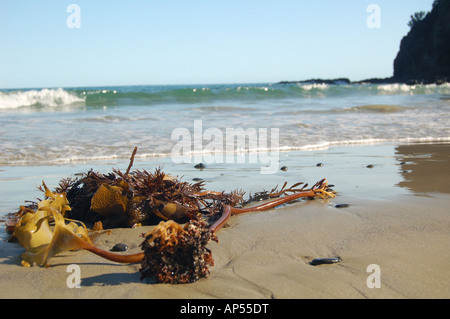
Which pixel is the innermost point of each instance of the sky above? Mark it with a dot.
(47, 43)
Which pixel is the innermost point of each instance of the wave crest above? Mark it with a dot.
(211, 95)
(43, 97)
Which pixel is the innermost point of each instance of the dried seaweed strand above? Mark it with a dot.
(131, 161)
(320, 189)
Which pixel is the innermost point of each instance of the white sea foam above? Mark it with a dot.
(399, 88)
(369, 141)
(316, 86)
(43, 97)
(396, 87)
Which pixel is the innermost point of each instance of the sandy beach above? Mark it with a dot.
(398, 219)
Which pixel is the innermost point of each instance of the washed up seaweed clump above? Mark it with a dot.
(171, 253)
(136, 197)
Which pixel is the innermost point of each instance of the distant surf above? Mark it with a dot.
(51, 126)
(154, 95)
(41, 97)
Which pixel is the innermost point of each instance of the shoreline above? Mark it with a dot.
(398, 219)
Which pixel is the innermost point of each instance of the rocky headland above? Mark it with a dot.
(424, 55)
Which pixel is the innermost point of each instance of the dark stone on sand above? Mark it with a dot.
(325, 261)
(199, 166)
(284, 168)
(342, 206)
(120, 247)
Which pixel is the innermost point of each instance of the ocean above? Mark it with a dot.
(53, 126)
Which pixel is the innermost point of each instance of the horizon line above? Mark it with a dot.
(188, 84)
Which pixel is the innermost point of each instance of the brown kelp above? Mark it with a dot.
(120, 199)
(45, 232)
(180, 255)
(172, 253)
(175, 254)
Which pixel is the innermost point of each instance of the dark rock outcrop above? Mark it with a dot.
(319, 81)
(376, 81)
(424, 55)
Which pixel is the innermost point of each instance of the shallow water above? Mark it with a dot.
(78, 125)
(384, 180)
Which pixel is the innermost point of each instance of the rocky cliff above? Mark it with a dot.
(424, 55)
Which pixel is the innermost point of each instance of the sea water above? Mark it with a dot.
(51, 126)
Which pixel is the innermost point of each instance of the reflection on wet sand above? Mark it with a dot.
(425, 167)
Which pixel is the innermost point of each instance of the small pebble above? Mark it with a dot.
(284, 168)
(326, 261)
(342, 206)
(199, 166)
(120, 247)
(319, 164)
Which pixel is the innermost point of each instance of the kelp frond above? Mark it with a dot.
(45, 233)
(34, 233)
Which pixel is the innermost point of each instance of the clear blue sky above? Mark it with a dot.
(201, 41)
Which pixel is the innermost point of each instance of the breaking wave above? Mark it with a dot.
(207, 94)
(42, 97)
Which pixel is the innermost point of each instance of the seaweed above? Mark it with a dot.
(175, 254)
(171, 253)
(136, 197)
(45, 233)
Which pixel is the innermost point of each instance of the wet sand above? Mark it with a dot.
(398, 219)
